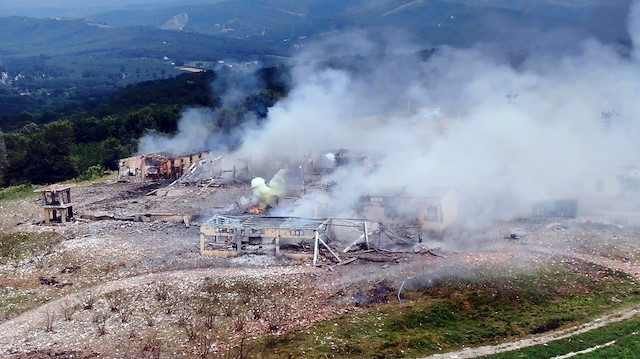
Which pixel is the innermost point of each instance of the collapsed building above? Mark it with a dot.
(294, 237)
(434, 211)
(157, 166)
(323, 163)
(232, 235)
(560, 208)
(389, 222)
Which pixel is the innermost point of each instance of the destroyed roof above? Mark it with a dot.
(55, 188)
(265, 222)
(167, 154)
(178, 155)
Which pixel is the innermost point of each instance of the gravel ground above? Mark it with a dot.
(116, 256)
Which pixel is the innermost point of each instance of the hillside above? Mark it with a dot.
(56, 37)
(438, 22)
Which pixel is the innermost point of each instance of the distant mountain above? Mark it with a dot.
(78, 37)
(454, 22)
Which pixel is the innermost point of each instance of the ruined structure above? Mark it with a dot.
(225, 236)
(57, 203)
(231, 235)
(602, 185)
(157, 166)
(298, 237)
(434, 212)
(564, 208)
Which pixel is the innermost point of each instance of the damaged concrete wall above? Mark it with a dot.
(601, 185)
(156, 166)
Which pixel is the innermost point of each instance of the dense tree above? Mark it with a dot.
(3, 157)
(58, 145)
(113, 151)
(17, 146)
(49, 153)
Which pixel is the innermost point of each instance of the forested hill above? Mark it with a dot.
(190, 89)
(68, 37)
(50, 63)
(453, 22)
(60, 145)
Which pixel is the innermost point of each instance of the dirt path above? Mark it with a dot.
(13, 330)
(618, 316)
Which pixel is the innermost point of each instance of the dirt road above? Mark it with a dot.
(618, 316)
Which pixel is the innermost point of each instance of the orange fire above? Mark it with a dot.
(255, 209)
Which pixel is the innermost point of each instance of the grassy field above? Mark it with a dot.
(619, 340)
(21, 293)
(488, 306)
(17, 192)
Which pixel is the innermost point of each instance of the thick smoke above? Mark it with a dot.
(503, 136)
(503, 130)
(193, 128)
(202, 128)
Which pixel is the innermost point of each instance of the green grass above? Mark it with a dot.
(17, 192)
(487, 306)
(17, 246)
(14, 302)
(625, 334)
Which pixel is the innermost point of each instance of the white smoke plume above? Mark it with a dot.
(503, 136)
(202, 128)
(504, 133)
(194, 128)
(268, 196)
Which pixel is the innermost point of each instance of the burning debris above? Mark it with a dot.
(265, 197)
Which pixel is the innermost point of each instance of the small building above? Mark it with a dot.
(433, 212)
(58, 206)
(232, 235)
(562, 208)
(601, 185)
(295, 237)
(157, 166)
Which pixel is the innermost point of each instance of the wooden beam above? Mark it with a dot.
(348, 248)
(326, 246)
(315, 249)
(366, 235)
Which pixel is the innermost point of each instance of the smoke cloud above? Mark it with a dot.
(503, 133)
(195, 133)
(504, 136)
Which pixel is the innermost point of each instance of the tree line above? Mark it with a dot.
(63, 144)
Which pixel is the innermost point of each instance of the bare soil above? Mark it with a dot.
(134, 259)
